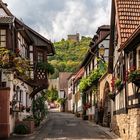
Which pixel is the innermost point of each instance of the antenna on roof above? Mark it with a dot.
(21, 20)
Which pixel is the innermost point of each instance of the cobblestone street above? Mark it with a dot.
(65, 126)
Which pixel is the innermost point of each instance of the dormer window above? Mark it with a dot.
(2, 38)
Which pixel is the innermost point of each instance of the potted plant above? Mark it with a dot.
(21, 129)
(112, 95)
(134, 77)
(119, 84)
(29, 121)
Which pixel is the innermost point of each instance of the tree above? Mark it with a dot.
(68, 55)
(52, 95)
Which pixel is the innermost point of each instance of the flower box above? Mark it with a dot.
(29, 123)
(119, 84)
(136, 82)
(134, 77)
(112, 96)
(120, 87)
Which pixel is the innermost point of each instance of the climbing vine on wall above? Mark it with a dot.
(93, 77)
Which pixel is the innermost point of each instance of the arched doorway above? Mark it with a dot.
(106, 106)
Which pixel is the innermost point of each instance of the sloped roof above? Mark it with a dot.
(133, 39)
(63, 80)
(128, 14)
(38, 39)
(94, 43)
(79, 74)
(4, 6)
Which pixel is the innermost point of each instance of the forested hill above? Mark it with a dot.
(68, 55)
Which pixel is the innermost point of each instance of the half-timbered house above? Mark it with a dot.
(124, 65)
(23, 51)
(92, 64)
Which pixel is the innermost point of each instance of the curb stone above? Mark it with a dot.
(109, 132)
(105, 129)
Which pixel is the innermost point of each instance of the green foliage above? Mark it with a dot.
(134, 75)
(51, 95)
(118, 83)
(21, 129)
(93, 78)
(46, 66)
(9, 60)
(61, 101)
(69, 55)
(22, 65)
(4, 57)
(39, 109)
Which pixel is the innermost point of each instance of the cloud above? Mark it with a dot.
(55, 19)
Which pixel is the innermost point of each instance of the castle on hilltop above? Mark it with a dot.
(74, 38)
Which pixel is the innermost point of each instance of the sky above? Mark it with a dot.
(55, 19)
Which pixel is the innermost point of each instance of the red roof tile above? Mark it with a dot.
(128, 16)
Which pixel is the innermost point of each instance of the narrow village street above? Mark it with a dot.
(70, 70)
(65, 126)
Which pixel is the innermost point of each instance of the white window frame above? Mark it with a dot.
(3, 37)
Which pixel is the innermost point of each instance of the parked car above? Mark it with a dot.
(52, 105)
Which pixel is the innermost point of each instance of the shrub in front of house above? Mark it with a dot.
(21, 129)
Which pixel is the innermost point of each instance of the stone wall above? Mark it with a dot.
(134, 124)
(127, 126)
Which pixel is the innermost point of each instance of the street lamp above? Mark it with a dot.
(102, 50)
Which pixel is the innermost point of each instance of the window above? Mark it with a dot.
(21, 96)
(121, 100)
(27, 100)
(3, 38)
(131, 65)
(22, 46)
(138, 58)
(26, 52)
(40, 57)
